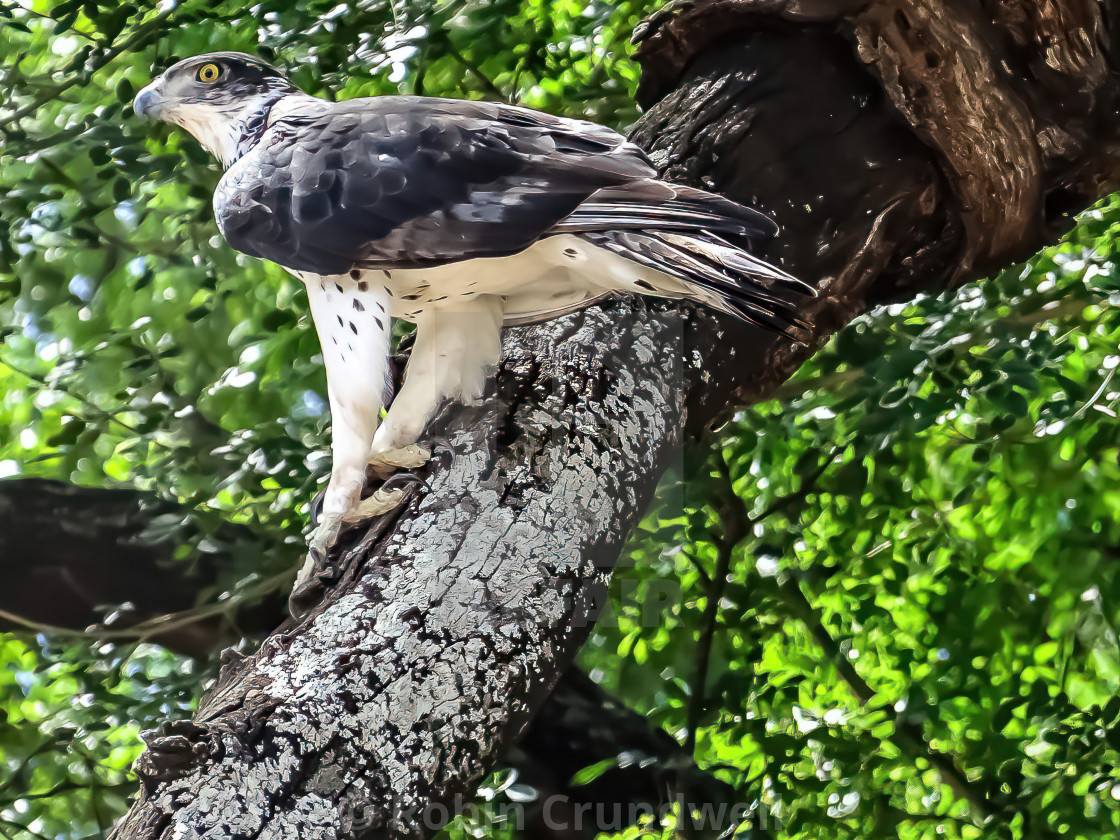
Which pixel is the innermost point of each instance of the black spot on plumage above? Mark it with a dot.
(571, 252)
(642, 284)
(410, 297)
(362, 286)
(388, 276)
(338, 286)
(358, 305)
(355, 274)
(380, 325)
(340, 321)
(353, 328)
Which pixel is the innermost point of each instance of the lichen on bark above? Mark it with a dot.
(396, 693)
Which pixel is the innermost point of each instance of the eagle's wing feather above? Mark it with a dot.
(411, 182)
(694, 236)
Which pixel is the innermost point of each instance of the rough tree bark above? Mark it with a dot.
(98, 549)
(902, 144)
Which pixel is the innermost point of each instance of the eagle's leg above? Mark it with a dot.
(350, 441)
(455, 348)
(354, 334)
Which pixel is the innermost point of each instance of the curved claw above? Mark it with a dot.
(323, 537)
(308, 586)
(402, 481)
(441, 445)
(316, 510)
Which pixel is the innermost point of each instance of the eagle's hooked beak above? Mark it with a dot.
(148, 102)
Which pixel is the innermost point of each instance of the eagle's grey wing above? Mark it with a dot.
(410, 182)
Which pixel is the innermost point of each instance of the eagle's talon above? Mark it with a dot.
(323, 537)
(315, 573)
(381, 501)
(316, 508)
(404, 481)
(383, 464)
(308, 587)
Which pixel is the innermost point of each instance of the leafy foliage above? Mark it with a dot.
(884, 607)
(926, 578)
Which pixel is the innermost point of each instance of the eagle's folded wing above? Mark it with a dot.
(409, 182)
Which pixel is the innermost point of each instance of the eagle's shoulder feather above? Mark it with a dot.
(402, 181)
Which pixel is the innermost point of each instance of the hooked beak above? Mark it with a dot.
(148, 102)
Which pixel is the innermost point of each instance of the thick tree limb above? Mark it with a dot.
(429, 657)
(109, 555)
(97, 549)
(882, 135)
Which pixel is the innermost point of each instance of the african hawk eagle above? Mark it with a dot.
(458, 216)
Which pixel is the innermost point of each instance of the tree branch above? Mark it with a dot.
(579, 726)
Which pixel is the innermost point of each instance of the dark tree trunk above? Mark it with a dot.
(106, 559)
(902, 144)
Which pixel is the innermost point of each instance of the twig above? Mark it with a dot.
(143, 32)
(735, 529)
(487, 82)
(86, 401)
(737, 525)
(1089, 403)
(159, 624)
(72, 28)
(906, 732)
(834, 381)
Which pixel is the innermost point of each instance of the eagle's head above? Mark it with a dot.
(222, 98)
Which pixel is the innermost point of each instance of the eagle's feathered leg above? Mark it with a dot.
(354, 332)
(456, 346)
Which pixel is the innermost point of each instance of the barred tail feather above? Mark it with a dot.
(642, 205)
(710, 271)
(696, 238)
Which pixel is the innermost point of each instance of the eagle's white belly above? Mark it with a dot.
(551, 277)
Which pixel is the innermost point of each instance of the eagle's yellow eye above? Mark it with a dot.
(209, 73)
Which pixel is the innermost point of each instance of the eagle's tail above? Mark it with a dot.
(692, 236)
(710, 271)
